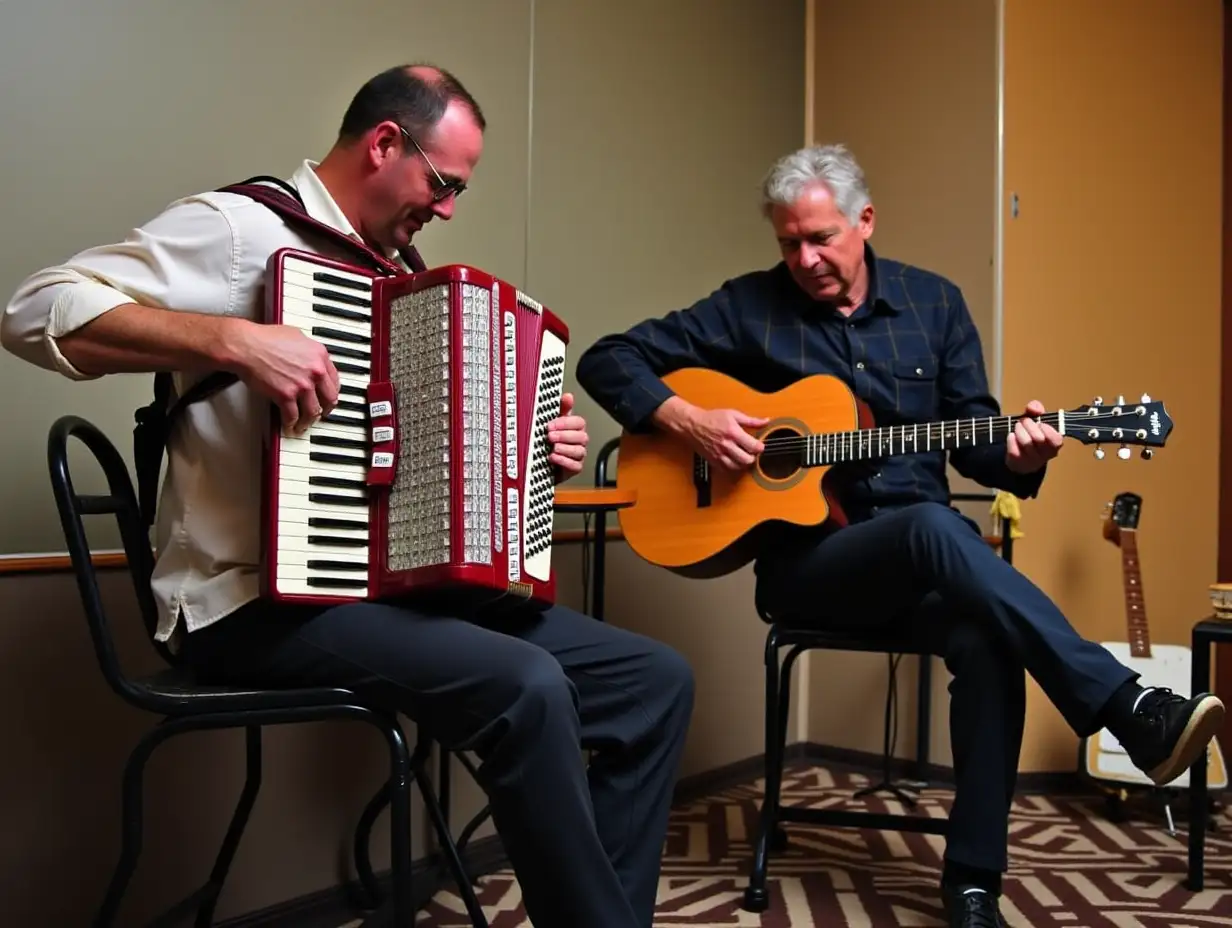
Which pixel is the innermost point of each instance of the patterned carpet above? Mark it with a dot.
(1070, 866)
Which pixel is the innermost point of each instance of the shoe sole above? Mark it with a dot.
(1203, 725)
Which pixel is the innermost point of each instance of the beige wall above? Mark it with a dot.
(643, 150)
(912, 90)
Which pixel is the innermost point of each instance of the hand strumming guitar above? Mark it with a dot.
(719, 435)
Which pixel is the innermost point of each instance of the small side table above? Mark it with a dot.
(1205, 633)
(597, 501)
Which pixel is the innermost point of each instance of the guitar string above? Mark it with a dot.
(953, 429)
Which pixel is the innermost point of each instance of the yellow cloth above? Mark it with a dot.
(1006, 506)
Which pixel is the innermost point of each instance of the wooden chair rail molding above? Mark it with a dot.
(112, 560)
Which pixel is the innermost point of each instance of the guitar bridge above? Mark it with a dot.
(701, 480)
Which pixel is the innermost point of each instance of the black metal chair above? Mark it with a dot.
(778, 685)
(187, 705)
(771, 835)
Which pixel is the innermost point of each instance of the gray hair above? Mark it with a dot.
(831, 165)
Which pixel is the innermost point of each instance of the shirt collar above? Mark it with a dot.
(885, 288)
(321, 206)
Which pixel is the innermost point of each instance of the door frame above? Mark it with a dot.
(1223, 655)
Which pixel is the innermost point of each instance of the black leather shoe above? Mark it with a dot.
(1166, 733)
(971, 907)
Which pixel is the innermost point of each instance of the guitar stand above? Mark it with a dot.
(887, 784)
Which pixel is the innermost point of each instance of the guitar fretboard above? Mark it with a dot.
(865, 444)
(1135, 604)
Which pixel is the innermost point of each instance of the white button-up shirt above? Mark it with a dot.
(206, 253)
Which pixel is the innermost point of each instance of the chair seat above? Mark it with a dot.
(893, 640)
(181, 690)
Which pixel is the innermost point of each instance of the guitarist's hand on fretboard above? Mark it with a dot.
(1033, 443)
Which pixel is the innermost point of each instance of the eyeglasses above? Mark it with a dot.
(442, 189)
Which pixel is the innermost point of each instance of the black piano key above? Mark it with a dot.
(350, 406)
(333, 441)
(337, 483)
(343, 368)
(335, 419)
(337, 583)
(321, 331)
(341, 351)
(341, 297)
(332, 500)
(337, 313)
(347, 390)
(327, 457)
(351, 566)
(326, 277)
(325, 522)
(337, 541)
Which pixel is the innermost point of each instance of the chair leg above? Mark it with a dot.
(132, 826)
(449, 850)
(239, 821)
(399, 786)
(756, 897)
(369, 890)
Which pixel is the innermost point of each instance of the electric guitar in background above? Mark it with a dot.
(1101, 757)
(699, 521)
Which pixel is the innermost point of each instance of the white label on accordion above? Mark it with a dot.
(511, 396)
(513, 524)
(382, 459)
(382, 408)
(382, 433)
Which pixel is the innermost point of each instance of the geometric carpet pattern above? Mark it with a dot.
(1070, 865)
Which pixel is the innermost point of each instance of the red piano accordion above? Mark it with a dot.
(431, 477)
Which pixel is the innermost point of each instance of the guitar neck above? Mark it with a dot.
(891, 440)
(1135, 605)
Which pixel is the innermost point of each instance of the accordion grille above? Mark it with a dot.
(420, 500)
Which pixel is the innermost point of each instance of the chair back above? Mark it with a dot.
(120, 502)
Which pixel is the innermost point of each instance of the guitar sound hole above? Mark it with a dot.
(781, 463)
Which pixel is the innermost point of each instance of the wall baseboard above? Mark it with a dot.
(329, 908)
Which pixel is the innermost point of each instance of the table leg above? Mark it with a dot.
(1200, 672)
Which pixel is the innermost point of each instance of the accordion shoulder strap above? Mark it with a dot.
(154, 422)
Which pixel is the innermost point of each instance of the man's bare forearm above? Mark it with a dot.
(133, 339)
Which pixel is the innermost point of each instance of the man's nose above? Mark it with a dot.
(809, 256)
(443, 209)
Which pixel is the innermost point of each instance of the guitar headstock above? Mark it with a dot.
(1145, 424)
(1122, 514)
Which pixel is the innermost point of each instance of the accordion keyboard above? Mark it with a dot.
(323, 512)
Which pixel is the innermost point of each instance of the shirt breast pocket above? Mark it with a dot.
(914, 381)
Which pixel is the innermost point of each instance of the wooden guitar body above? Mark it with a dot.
(698, 520)
(703, 521)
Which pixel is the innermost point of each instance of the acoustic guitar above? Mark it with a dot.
(701, 521)
(1101, 757)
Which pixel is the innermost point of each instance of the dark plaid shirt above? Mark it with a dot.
(910, 351)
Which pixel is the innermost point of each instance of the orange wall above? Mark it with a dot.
(1113, 143)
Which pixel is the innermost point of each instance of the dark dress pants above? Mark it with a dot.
(527, 694)
(926, 571)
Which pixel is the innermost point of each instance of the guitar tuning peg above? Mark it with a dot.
(1148, 453)
(1099, 453)
(1145, 398)
(1120, 401)
(1098, 401)
(1123, 452)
